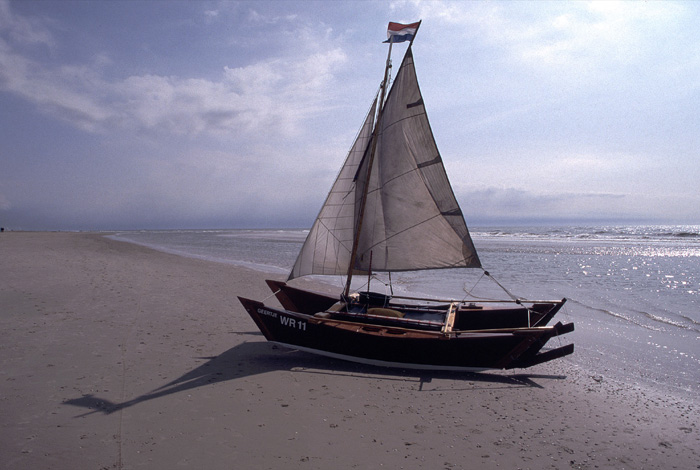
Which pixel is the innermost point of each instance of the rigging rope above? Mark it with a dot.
(513, 297)
(469, 293)
(271, 295)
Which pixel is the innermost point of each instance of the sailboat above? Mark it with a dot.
(392, 208)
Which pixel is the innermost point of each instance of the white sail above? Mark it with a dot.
(329, 243)
(411, 220)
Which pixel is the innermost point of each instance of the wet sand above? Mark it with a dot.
(115, 356)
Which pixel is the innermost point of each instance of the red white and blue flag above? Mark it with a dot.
(398, 32)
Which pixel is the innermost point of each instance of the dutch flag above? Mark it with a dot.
(398, 32)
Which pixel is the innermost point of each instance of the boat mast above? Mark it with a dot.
(370, 162)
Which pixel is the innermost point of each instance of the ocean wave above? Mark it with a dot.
(687, 235)
(630, 318)
(671, 322)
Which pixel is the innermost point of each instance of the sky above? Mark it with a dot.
(120, 115)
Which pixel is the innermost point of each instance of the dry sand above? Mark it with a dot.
(117, 356)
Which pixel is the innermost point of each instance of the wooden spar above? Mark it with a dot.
(450, 318)
(415, 34)
(363, 203)
(369, 271)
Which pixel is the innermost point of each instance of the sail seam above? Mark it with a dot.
(338, 246)
(463, 261)
(388, 126)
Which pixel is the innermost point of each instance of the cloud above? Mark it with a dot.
(274, 95)
(592, 33)
(278, 94)
(494, 204)
(29, 31)
(555, 32)
(256, 16)
(211, 14)
(66, 92)
(566, 45)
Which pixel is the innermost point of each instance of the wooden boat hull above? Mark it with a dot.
(404, 347)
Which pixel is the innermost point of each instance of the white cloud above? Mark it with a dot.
(574, 39)
(275, 95)
(67, 92)
(492, 204)
(592, 36)
(278, 94)
(26, 31)
(257, 16)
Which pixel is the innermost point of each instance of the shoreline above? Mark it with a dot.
(116, 355)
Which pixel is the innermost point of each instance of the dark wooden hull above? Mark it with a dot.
(502, 348)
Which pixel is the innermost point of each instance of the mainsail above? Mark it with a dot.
(412, 220)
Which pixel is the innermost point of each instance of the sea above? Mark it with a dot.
(633, 291)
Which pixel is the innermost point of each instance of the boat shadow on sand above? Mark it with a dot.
(256, 357)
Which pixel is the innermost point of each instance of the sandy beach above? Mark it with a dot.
(116, 356)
